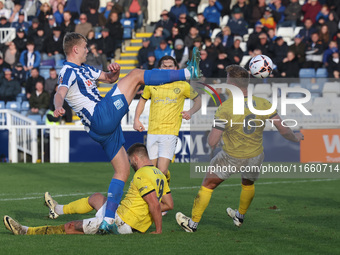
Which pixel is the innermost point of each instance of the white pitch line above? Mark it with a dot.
(175, 188)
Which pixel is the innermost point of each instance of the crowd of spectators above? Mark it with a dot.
(41, 25)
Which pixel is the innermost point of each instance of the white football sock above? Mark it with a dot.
(59, 209)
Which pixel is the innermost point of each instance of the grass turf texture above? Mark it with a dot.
(306, 220)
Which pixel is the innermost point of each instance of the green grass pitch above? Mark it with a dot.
(306, 221)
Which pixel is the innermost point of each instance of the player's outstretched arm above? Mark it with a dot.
(167, 203)
(155, 210)
(59, 101)
(286, 132)
(197, 105)
(137, 125)
(112, 76)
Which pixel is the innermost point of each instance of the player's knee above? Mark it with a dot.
(247, 182)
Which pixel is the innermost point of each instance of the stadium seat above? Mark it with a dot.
(307, 73)
(297, 30)
(263, 90)
(37, 118)
(331, 89)
(60, 62)
(21, 97)
(201, 7)
(321, 73)
(13, 105)
(243, 46)
(224, 20)
(285, 32)
(314, 87)
(128, 26)
(215, 32)
(2, 105)
(294, 84)
(25, 106)
(44, 72)
(245, 60)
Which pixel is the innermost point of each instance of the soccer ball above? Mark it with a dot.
(261, 66)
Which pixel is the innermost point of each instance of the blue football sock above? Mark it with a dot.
(114, 195)
(156, 77)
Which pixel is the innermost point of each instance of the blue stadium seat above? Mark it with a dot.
(292, 85)
(307, 73)
(321, 73)
(44, 72)
(21, 97)
(36, 117)
(314, 87)
(2, 105)
(321, 80)
(60, 63)
(13, 105)
(25, 106)
(129, 26)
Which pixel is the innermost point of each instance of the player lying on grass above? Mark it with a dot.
(147, 197)
(242, 147)
(102, 116)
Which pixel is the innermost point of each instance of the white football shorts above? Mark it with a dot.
(161, 146)
(91, 226)
(225, 165)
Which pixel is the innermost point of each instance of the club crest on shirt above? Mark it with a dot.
(177, 90)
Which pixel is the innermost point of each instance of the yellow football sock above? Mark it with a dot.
(168, 176)
(79, 206)
(247, 195)
(47, 230)
(200, 204)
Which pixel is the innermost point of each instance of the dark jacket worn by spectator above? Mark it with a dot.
(9, 89)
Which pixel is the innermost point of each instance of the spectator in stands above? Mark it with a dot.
(314, 51)
(289, 67)
(189, 38)
(307, 31)
(86, 5)
(243, 6)
(165, 22)
(48, 27)
(4, 23)
(203, 26)
(116, 30)
(21, 23)
(226, 38)
(221, 63)
(39, 40)
(32, 80)
(31, 8)
(136, 9)
(83, 27)
(174, 36)
(73, 6)
(39, 100)
(299, 49)
(30, 58)
(45, 12)
(257, 11)
(277, 7)
(253, 39)
(105, 44)
(91, 37)
(51, 81)
(54, 46)
(206, 65)
(212, 13)
(19, 74)
(54, 4)
(323, 13)
(333, 66)
(237, 24)
(105, 14)
(59, 14)
(32, 30)
(3, 65)
(332, 23)
(311, 9)
(279, 50)
(235, 53)
(11, 55)
(218, 45)
(198, 44)
(9, 87)
(271, 35)
(332, 47)
(292, 14)
(93, 17)
(157, 37)
(95, 59)
(192, 6)
(4, 12)
(268, 20)
(151, 61)
(180, 53)
(178, 9)
(211, 49)
(162, 50)
(225, 7)
(67, 25)
(264, 45)
(20, 40)
(15, 13)
(143, 52)
(184, 24)
(324, 35)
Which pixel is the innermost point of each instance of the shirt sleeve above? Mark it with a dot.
(166, 188)
(146, 93)
(143, 184)
(219, 118)
(94, 72)
(66, 78)
(189, 92)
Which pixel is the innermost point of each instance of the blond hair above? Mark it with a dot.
(72, 39)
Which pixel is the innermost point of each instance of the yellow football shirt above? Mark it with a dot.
(167, 103)
(240, 136)
(133, 209)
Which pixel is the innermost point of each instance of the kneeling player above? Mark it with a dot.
(147, 197)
